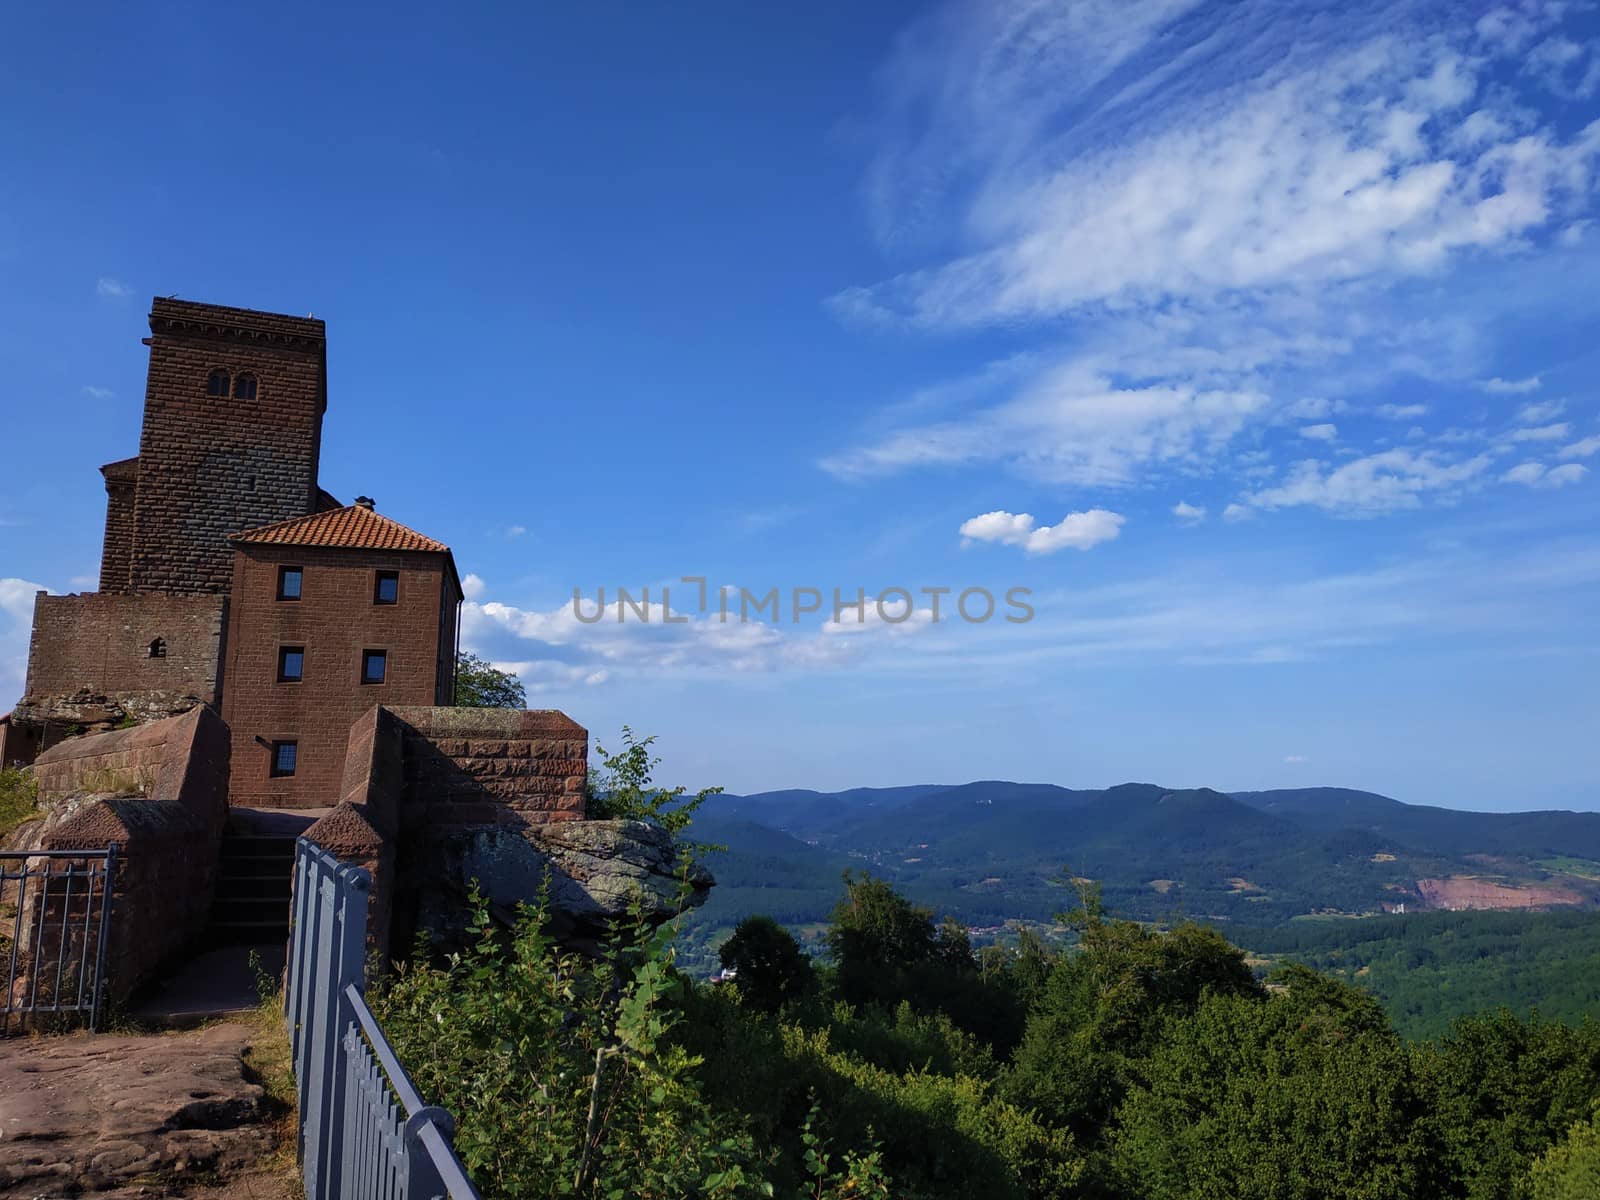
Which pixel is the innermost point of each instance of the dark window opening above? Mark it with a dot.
(291, 663)
(386, 589)
(217, 385)
(374, 665)
(244, 387)
(285, 757)
(289, 580)
(158, 648)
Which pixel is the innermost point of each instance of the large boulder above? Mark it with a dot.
(597, 872)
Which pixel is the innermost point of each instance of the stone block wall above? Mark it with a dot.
(90, 661)
(484, 766)
(116, 554)
(211, 465)
(168, 837)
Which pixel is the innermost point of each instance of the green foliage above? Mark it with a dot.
(1430, 968)
(768, 963)
(19, 795)
(1102, 1008)
(1140, 1063)
(1504, 1087)
(1569, 1170)
(622, 789)
(1303, 1095)
(559, 1069)
(480, 684)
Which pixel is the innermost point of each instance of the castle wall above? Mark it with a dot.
(210, 465)
(116, 554)
(90, 660)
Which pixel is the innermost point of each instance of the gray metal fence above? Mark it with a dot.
(55, 909)
(364, 1129)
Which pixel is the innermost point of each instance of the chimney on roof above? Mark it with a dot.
(365, 502)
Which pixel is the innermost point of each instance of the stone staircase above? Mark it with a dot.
(254, 879)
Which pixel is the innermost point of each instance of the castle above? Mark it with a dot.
(262, 662)
(229, 578)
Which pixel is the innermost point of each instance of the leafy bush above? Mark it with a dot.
(622, 789)
(19, 794)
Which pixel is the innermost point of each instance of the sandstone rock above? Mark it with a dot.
(597, 870)
(90, 1115)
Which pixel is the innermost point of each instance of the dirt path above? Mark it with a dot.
(138, 1116)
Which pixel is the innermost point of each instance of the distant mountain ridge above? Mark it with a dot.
(993, 850)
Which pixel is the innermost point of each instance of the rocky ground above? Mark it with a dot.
(113, 1116)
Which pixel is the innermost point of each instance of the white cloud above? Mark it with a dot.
(1078, 530)
(1189, 514)
(1540, 411)
(111, 289)
(16, 623)
(516, 531)
(1320, 433)
(1237, 223)
(97, 393)
(1510, 387)
(1581, 449)
(1533, 474)
(1070, 423)
(1224, 166)
(1543, 433)
(1377, 483)
(472, 586)
(1294, 759)
(1237, 512)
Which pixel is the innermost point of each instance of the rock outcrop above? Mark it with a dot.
(86, 1115)
(596, 871)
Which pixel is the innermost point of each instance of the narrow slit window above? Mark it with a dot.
(386, 588)
(374, 666)
(285, 758)
(217, 385)
(289, 581)
(291, 664)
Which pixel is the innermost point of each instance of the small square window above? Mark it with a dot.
(289, 580)
(291, 663)
(386, 589)
(285, 757)
(374, 665)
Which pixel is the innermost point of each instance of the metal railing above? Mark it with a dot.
(364, 1129)
(55, 909)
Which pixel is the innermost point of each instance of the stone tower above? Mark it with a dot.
(231, 437)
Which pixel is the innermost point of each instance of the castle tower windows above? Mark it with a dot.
(244, 386)
(217, 384)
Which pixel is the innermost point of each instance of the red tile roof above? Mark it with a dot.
(354, 527)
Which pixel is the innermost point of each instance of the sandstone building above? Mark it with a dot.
(230, 579)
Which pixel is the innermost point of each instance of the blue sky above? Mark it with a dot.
(1259, 344)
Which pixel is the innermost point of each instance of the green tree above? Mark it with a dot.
(1504, 1089)
(875, 932)
(1102, 1008)
(1306, 1094)
(1569, 1170)
(480, 684)
(768, 963)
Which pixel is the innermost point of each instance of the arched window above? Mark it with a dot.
(217, 385)
(158, 648)
(244, 387)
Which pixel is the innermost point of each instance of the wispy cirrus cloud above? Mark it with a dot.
(111, 289)
(1205, 214)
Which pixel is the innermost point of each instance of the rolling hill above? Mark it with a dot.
(993, 850)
